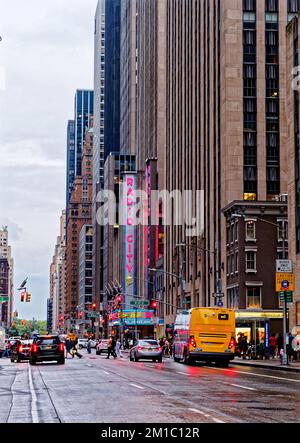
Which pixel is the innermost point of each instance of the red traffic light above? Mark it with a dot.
(94, 306)
(153, 304)
(119, 299)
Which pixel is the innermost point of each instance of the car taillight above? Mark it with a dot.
(34, 348)
(160, 349)
(192, 341)
(140, 348)
(61, 347)
(232, 343)
(21, 348)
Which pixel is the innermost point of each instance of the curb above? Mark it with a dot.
(274, 368)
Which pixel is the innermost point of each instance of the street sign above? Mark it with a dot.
(3, 299)
(285, 276)
(92, 315)
(284, 266)
(287, 294)
(139, 302)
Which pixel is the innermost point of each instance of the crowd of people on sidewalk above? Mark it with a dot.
(251, 350)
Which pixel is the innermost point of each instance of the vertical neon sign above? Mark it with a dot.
(129, 236)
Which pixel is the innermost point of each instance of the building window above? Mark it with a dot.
(250, 261)
(233, 299)
(250, 230)
(254, 298)
(282, 231)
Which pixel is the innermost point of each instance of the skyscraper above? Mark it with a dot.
(107, 113)
(84, 110)
(6, 254)
(70, 160)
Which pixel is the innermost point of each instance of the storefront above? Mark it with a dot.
(257, 326)
(134, 323)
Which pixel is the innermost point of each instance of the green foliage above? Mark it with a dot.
(21, 327)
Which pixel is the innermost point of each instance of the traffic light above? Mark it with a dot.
(118, 301)
(94, 306)
(153, 305)
(28, 297)
(80, 314)
(22, 296)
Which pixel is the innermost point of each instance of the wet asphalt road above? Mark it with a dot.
(119, 391)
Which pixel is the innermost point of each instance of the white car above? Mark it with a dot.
(82, 343)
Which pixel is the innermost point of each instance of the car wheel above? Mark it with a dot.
(186, 360)
(61, 361)
(136, 359)
(177, 360)
(12, 360)
(159, 360)
(130, 357)
(32, 361)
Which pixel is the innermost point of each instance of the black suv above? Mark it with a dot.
(47, 348)
(20, 350)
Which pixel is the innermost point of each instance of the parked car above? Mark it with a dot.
(82, 343)
(47, 348)
(102, 347)
(146, 349)
(20, 351)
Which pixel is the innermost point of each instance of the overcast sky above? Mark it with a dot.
(46, 54)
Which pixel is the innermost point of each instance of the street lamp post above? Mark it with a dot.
(285, 360)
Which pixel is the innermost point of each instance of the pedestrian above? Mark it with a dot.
(279, 342)
(75, 350)
(273, 345)
(68, 346)
(296, 347)
(5, 352)
(289, 347)
(89, 346)
(118, 348)
(244, 347)
(111, 347)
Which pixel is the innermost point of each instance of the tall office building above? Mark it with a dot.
(58, 291)
(112, 77)
(6, 254)
(84, 110)
(98, 159)
(226, 135)
(107, 114)
(70, 160)
(128, 82)
(293, 144)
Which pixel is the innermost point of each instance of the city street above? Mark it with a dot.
(99, 391)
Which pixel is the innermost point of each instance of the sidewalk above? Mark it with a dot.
(267, 364)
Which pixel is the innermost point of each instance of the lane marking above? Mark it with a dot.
(182, 373)
(197, 411)
(107, 373)
(243, 387)
(206, 415)
(136, 386)
(218, 421)
(34, 412)
(253, 373)
(90, 366)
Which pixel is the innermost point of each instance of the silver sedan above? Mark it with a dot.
(146, 349)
